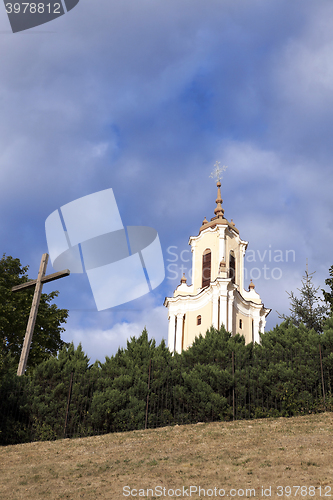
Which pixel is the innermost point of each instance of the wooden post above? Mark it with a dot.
(68, 403)
(146, 421)
(322, 375)
(38, 284)
(233, 386)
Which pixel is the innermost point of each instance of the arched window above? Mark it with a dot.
(199, 320)
(206, 267)
(240, 324)
(232, 267)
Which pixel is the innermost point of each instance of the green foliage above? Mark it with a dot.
(120, 402)
(14, 415)
(328, 296)
(291, 365)
(202, 393)
(215, 347)
(217, 378)
(14, 314)
(308, 308)
(50, 384)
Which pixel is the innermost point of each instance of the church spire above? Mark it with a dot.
(217, 173)
(219, 211)
(218, 218)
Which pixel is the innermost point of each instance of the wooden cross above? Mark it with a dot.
(38, 284)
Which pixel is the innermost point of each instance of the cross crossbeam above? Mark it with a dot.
(38, 284)
(46, 279)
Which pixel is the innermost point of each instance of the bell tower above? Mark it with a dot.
(216, 295)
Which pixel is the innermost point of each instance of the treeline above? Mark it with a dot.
(144, 386)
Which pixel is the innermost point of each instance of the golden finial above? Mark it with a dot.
(217, 174)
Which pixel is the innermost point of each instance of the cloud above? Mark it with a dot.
(98, 342)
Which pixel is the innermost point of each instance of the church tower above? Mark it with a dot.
(216, 295)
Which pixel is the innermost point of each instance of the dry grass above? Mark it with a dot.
(239, 455)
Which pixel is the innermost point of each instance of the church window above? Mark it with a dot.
(199, 320)
(232, 268)
(206, 268)
(240, 324)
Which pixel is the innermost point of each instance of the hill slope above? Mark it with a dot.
(234, 456)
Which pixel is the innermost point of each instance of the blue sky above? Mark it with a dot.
(144, 97)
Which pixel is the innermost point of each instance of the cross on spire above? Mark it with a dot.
(217, 172)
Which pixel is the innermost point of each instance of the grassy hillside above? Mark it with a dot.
(242, 455)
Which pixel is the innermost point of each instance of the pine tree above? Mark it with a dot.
(50, 382)
(328, 296)
(309, 308)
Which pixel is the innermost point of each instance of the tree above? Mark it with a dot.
(120, 403)
(328, 296)
(309, 308)
(14, 314)
(50, 382)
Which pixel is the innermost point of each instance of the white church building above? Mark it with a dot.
(217, 295)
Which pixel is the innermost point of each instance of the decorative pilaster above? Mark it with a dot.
(172, 333)
(243, 249)
(179, 333)
(215, 311)
(223, 311)
(193, 247)
(256, 336)
(230, 311)
(221, 244)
